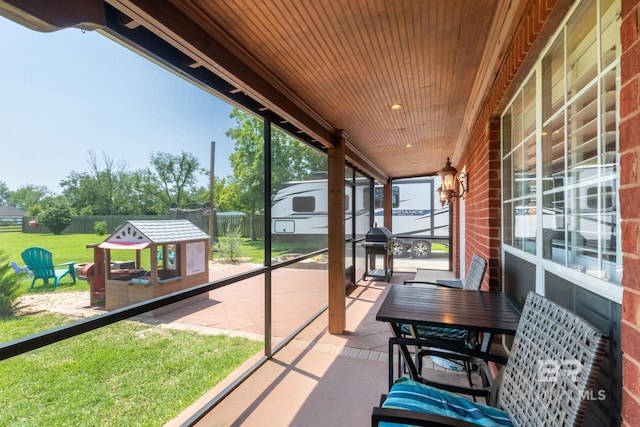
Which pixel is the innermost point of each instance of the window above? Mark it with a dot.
(395, 197)
(563, 207)
(519, 141)
(366, 196)
(304, 204)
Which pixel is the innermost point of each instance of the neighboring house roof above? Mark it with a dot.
(11, 211)
(140, 234)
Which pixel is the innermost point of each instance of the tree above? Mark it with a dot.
(56, 217)
(291, 160)
(29, 195)
(143, 195)
(81, 191)
(227, 195)
(248, 164)
(107, 181)
(173, 177)
(4, 194)
(106, 189)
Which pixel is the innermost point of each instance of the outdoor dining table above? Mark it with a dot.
(488, 313)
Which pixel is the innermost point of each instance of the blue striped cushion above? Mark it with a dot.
(437, 332)
(414, 396)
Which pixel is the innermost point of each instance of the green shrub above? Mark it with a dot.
(57, 217)
(100, 227)
(231, 246)
(9, 284)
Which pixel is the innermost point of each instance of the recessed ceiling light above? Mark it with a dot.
(396, 106)
(408, 146)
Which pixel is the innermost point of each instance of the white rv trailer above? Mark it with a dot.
(299, 211)
(588, 214)
(580, 221)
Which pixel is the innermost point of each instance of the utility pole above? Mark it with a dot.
(212, 207)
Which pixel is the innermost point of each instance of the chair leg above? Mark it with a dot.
(402, 364)
(467, 368)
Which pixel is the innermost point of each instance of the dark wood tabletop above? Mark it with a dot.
(493, 312)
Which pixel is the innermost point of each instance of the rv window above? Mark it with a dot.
(304, 204)
(395, 197)
(379, 197)
(366, 197)
(592, 197)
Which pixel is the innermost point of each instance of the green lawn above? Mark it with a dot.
(255, 249)
(439, 247)
(122, 375)
(65, 248)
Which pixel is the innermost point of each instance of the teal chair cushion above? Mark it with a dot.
(437, 332)
(414, 396)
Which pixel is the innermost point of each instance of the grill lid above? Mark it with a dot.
(379, 234)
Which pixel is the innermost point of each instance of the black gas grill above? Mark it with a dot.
(379, 241)
(379, 235)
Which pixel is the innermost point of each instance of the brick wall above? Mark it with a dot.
(482, 205)
(482, 158)
(482, 161)
(630, 210)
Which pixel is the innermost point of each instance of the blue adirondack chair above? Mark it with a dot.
(19, 269)
(40, 262)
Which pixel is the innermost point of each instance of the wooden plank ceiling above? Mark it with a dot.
(330, 65)
(351, 60)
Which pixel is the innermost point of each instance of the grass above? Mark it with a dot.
(122, 375)
(65, 248)
(439, 247)
(255, 249)
(73, 247)
(10, 228)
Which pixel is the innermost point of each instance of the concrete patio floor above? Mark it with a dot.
(318, 379)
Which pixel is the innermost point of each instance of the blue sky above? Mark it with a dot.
(65, 93)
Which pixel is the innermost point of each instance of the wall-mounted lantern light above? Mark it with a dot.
(454, 183)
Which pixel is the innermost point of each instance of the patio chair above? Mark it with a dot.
(40, 262)
(547, 380)
(18, 270)
(473, 281)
